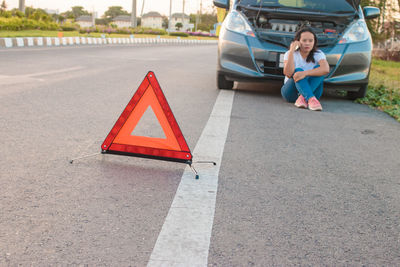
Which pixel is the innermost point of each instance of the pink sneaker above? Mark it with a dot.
(313, 104)
(301, 102)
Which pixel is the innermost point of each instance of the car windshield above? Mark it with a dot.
(329, 6)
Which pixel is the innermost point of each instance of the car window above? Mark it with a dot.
(315, 5)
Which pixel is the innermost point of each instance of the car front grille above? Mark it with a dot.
(270, 64)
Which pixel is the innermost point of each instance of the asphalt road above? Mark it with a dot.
(295, 187)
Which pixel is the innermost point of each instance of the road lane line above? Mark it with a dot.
(184, 239)
(53, 71)
(32, 77)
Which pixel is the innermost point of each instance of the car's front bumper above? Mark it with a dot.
(247, 58)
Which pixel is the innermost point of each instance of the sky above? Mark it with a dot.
(100, 6)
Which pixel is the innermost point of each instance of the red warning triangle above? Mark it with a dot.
(123, 141)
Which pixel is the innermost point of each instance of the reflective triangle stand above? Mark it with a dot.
(88, 156)
(190, 163)
(201, 162)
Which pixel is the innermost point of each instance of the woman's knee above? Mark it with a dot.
(288, 93)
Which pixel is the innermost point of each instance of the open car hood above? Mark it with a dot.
(354, 3)
(344, 18)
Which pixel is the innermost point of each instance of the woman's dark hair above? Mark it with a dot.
(310, 56)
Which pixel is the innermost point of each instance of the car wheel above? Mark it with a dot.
(223, 83)
(358, 94)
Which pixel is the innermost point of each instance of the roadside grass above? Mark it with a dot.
(39, 33)
(384, 88)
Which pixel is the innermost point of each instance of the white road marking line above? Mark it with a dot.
(31, 77)
(54, 71)
(184, 239)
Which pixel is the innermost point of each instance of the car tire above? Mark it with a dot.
(358, 94)
(223, 83)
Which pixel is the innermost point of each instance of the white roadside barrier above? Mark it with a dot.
(70, 41)
(20, 41)
(30, 41)
(39, 41)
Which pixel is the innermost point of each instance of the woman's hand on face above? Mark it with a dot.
(293, 45)
(298, 76)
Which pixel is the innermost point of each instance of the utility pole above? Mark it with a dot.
(197, 20)
(22, 5)
(93, 17)
(183, 15)
(170, 18)
(201, 9)
(141, 13)
(198, 17)
(133, 15)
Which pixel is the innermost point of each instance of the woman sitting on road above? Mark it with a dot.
(304, 69)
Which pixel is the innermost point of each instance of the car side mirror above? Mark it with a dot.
(371, 12)
(222, 4)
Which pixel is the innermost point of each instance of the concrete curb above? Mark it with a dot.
(69, 41)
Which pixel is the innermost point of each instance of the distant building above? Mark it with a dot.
(85, 21)
(122, 21)
(177, 17)
(52, 11)
(152, 20)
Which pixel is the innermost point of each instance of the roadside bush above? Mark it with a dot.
(384, 87)
(6, 14)
(18, 13)
(182, 34)
(155, 31)
(141, 30)
(200, 33)
(123, 31)
(386, 54)
(384, 99)
(104, 29)
(19, 24)
(68, 28)
(109, 30)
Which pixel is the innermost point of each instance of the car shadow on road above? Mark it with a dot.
(273, 88)
(333, 101)
(270, 88)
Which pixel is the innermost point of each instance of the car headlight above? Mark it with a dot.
(237, 23)
(357, 32)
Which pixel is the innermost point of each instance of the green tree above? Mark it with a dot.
(40, 14)
(6, 14)
(206, 21)
(68, 14)
(114, 11)
(15, 12)
(79, 11)
(75, 12)
(29, 11)
(18, 13)
(374, 24)
(165, 22)
(3, 6)
(178, 26)
(58, 18)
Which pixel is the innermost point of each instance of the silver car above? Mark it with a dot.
(256, 33)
